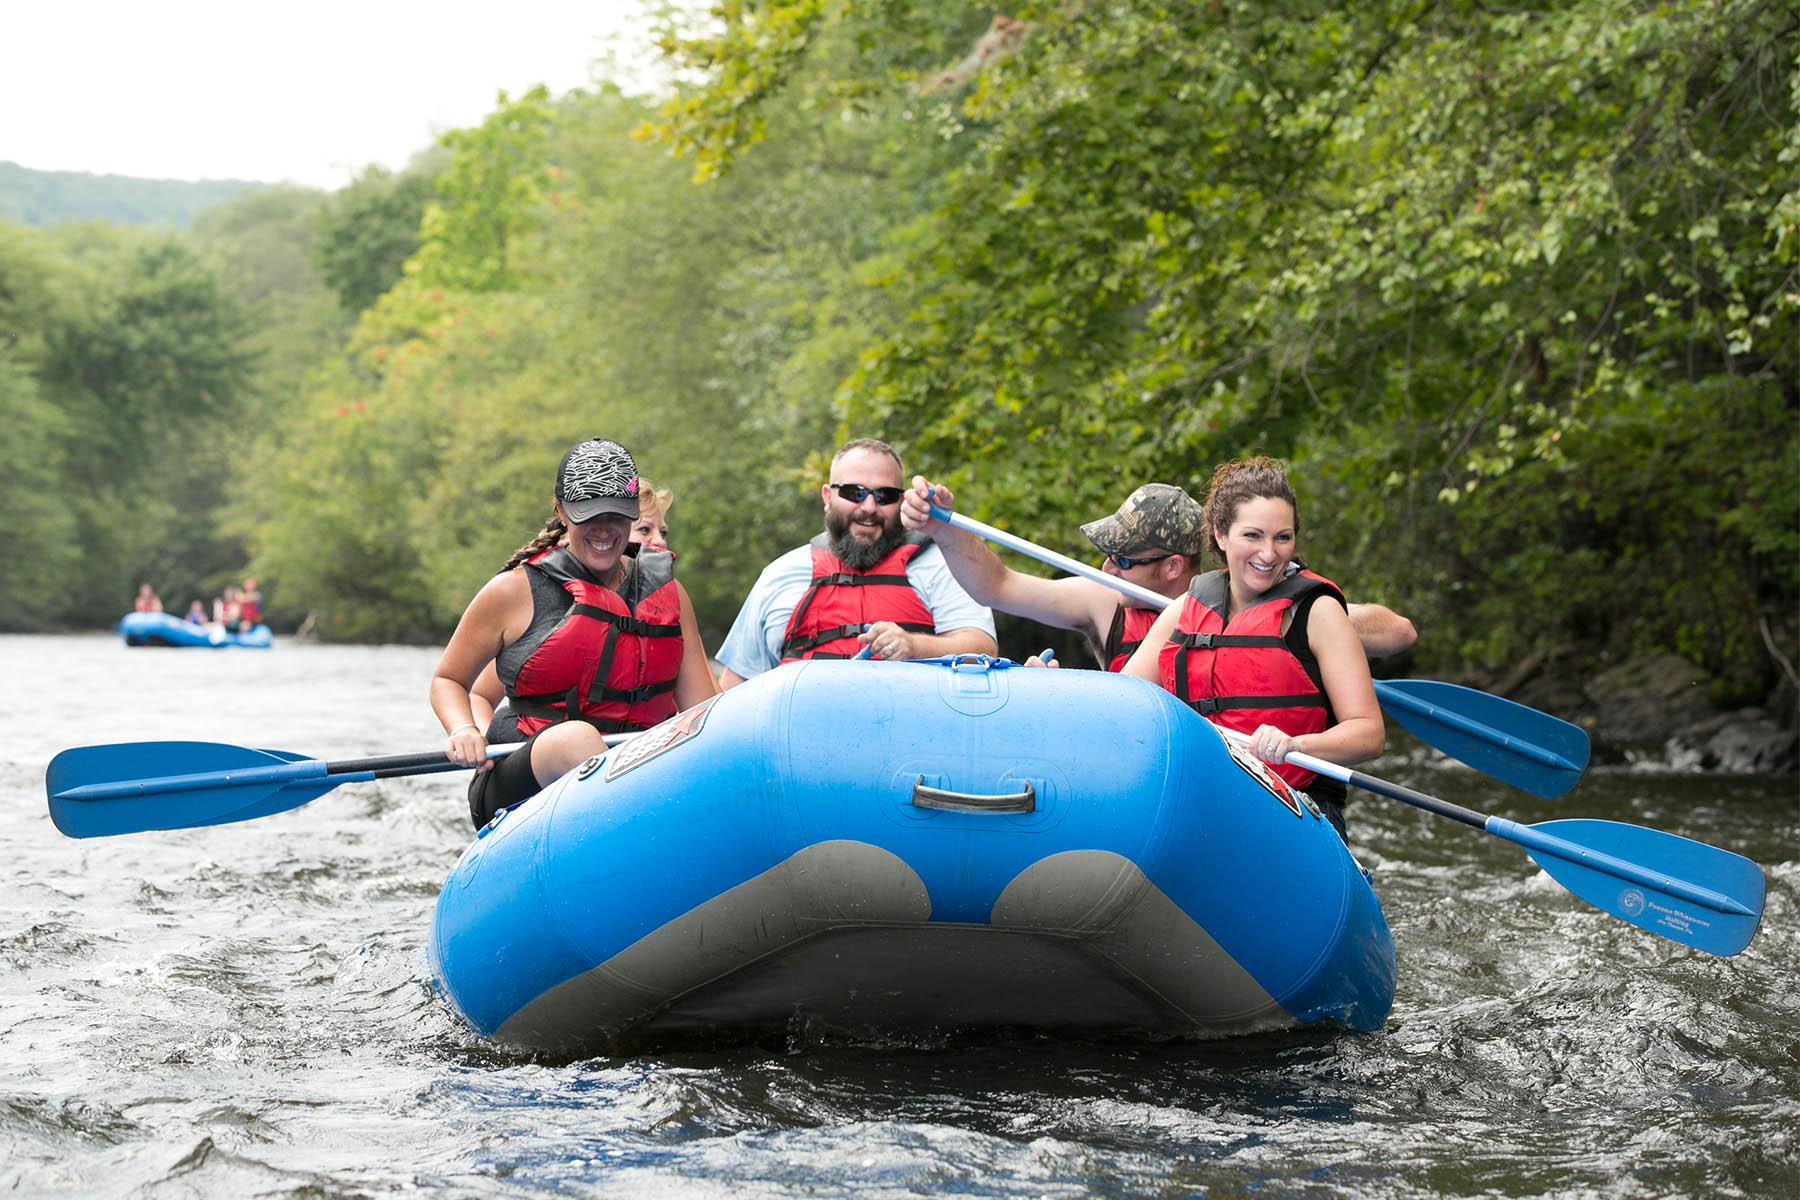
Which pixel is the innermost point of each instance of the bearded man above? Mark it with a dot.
(863, 582)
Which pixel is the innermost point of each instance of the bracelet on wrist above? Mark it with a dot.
(464, 725)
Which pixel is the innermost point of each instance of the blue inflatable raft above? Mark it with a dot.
(163, 629)
(867, 849)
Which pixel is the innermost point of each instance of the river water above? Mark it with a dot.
(242, 1010)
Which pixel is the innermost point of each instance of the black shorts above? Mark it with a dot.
(503, 785)
(1329, 797)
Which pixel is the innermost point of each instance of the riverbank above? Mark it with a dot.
(1656, 711)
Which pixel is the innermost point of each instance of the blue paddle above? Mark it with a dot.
(131, 787)
(1677, 888)
(1518, 745)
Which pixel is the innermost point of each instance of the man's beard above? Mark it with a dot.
(854, 553)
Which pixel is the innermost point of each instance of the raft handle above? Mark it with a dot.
(924, 796)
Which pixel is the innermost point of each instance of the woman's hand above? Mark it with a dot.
(1271, 744)
(465, 745)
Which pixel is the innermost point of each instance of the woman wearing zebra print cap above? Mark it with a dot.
(590, 635)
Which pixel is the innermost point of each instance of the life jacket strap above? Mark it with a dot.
(1212, 641)
(854, 579)
(797, 647)
(1212, 704)
(624, 623)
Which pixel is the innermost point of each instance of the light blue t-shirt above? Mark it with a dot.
(754, 643)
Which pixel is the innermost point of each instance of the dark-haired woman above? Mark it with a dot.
(1265, 646)
(588, 637)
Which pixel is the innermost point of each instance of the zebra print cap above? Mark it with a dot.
(597, 476)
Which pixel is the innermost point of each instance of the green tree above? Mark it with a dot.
(490, 196)
(39, 540)
(366, 232)
(264, 243)
(345, 518)
(1463, 265)
(149, 376)
(697, 325)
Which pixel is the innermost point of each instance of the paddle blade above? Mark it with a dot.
(1677, 888)
(1535, 751)
(174, 785)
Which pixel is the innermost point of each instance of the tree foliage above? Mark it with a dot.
(1513, 289)
(126, 367)
(600, 293)
(366, 232)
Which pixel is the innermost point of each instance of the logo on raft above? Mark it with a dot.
(1258, 770)
(660, 739)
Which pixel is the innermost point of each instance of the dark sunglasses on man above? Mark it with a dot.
(856, 493)
(1125, 562)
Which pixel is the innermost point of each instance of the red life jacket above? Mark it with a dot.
(593, 654)
(841, 602)
(1243, 673)
(1129, 625)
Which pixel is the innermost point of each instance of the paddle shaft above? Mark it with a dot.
(1524, 835)
(1389, 695)
(1000, 537)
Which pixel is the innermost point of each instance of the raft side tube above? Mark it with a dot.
(773, 867)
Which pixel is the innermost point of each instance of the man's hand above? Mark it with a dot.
(915, 506)
(887, 640)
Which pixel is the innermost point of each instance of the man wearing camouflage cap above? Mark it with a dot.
(1156, 539)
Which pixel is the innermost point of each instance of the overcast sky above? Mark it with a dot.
(253, 89)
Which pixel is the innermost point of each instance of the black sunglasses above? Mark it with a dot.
(1126, 562)
(856, 493)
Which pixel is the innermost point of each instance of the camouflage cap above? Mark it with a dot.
(1158, 516)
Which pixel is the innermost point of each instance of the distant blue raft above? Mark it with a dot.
(162, 629)
(869, 849)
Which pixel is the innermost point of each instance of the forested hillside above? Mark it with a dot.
(46, 197)
(1514, 291)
